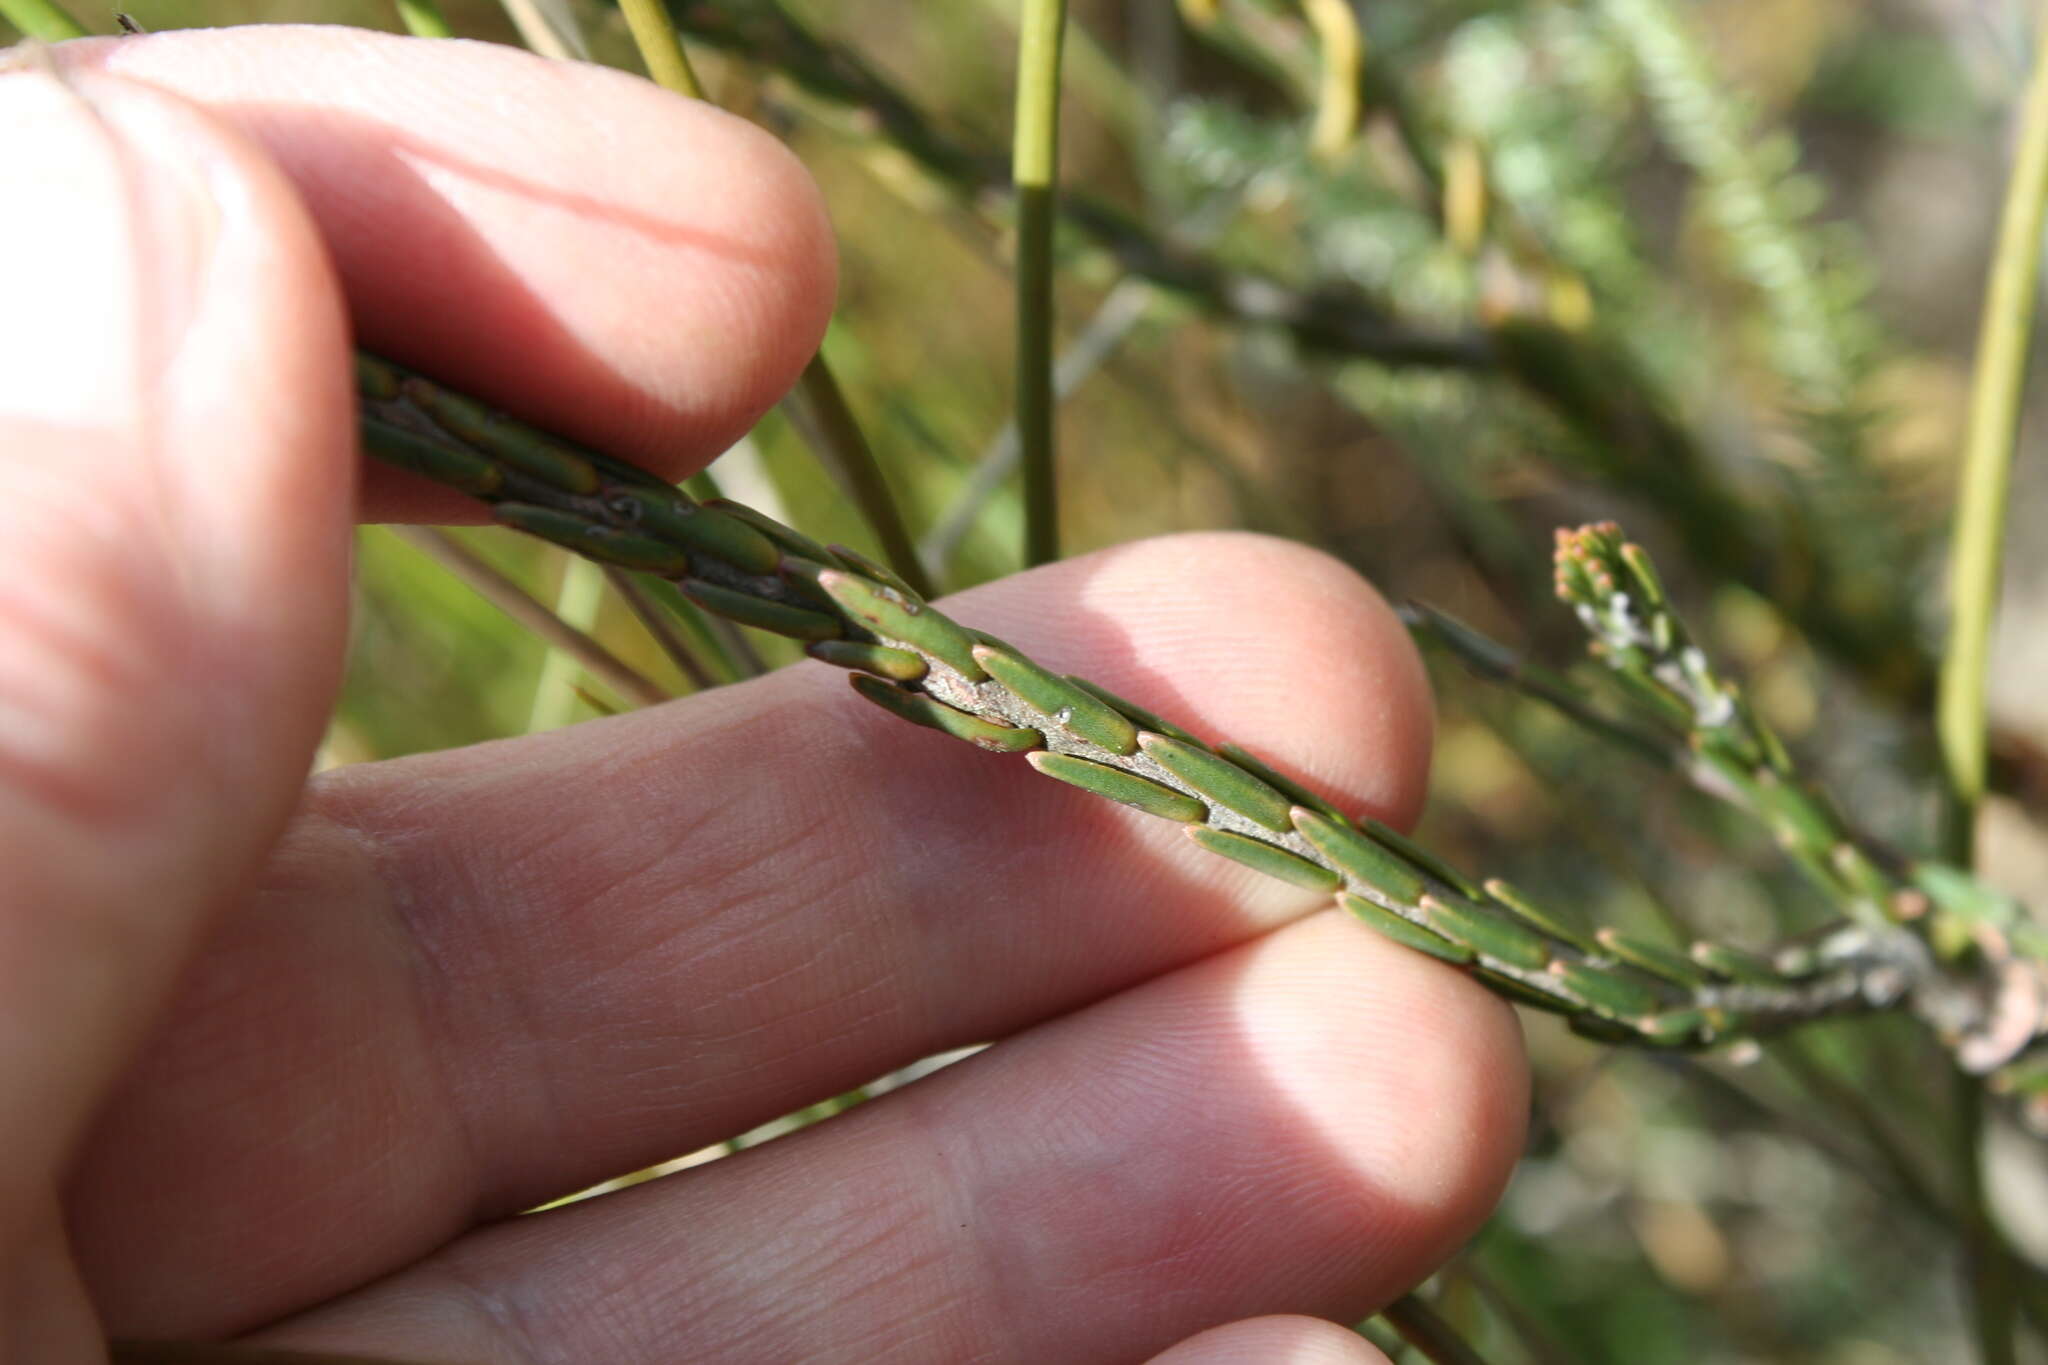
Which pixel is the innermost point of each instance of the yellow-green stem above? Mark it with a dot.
(1428, 1333)
(828, 424)
(680, 634)
(423, 19)
(1034, 166)
(578, 599)
(43, 20)
(518, 604)
(655, 35)
(552, 32)
(2004, 334)
(1342, 54)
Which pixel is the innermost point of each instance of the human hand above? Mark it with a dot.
(282, 1061)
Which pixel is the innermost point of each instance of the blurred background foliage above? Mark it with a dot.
(1710, 268)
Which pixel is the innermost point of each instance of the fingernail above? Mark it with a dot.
(104, 248)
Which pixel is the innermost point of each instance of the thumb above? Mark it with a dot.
(175, 466)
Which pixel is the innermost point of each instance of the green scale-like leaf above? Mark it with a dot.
(1522, 993)
(457, 466)
(697, 528)
(1145, 719)
(1278, 781)
(897, 665)
(526, 449)
(1079, 713)
(1220, 780)
(795, 542)
(1675, 1028)
(594, 539)
(1404, 932)
(1674, 967)
(1535, 916)
(1263, 857)
(776, 617)
(1732, 964)
(1364, 859)
(1499, 938)
(920, 709)
(1421, 857)
(1607, 990)
(1154, 798)
(881, 573)
(889, 615)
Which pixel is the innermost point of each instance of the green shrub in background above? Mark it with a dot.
(1418, 283)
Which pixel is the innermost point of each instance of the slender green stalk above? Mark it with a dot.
(1899, 1166)
(2004, 336)
(654, 33)
(1119, 311)
(1533, 1337)
(1341, 53)
(43, 20)
(515, 602)
(1989, 1278)
(1034, 167)
(1497, 663)
(423, 19)
(665, 627)
(821, 412)
(578, 599)
(549, 27)
(1425, 1329)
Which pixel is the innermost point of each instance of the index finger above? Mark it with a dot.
(647, 277)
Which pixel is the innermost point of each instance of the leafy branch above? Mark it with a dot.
(1924, 938)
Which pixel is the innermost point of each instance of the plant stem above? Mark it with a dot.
(826, 420)
(1119, 311)
(1998, 385)
(1034, 167)
(2005, 333)
(918, 664)
(664, 627)
(1497, 663)
(654, 34)
(548, 28)
(423, 19)
(515, 602)
(1421, 1327)
(1342, 53)
(577, 601)
(43, 20)
(1988, 1272)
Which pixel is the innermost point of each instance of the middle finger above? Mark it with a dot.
(481, 979)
